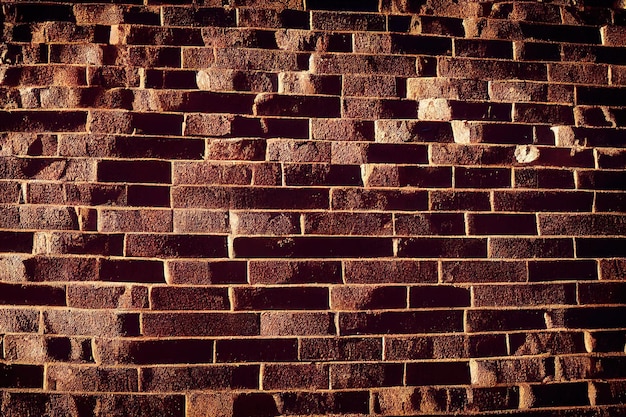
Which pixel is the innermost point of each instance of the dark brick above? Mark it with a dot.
(135, 171)
(611, 202)
(312, 247)
(397, 271)
(480, 48)
(341, 349)
(602, 293)
(324, 403)
(560, 33)
(18, 294)
(600, 247)
(271, 104)
(606, 96)
(602, 180)
(257, 350)
(562, 270)
(200, 324)
(298, 376)
(176, 246)
(437, 321)
(129, 270)
(189, 298)
(420, 45)
(43, 121)
(254, 404)
(574, 201)
(531, 248)
(594, 317)
(438, 373)
(347, 5)
(483, 271)
(482, 177)
(200, 16)
(21, 376)
(29, 13)
(439, 296)
(368, 298)
(42, 269)
(322, 174)
(503, 320)
(451, 200)
(560, 395)
(543, 178)
(309, 298)
(323, 20)
(609, 341)
(442, 247)
(294, 272)
(366, 375)
(502, 224)
(524, 295)
(16, 242)
(159, 379)
(428, 224)
(148, 196)
(397, 153)
(557, 342)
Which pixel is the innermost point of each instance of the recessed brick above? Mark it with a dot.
(360, 375)
(300, 376)
(159, 379)
(439, 321)
(502, 224)
(176, 246)
(438, 373)
(312, 247)
(257, 350)
(294, 272)
(135, 171)
(439, 296)
(280, 298)
(442, 247)
(200, 324)
(368, 298)
(384, 271)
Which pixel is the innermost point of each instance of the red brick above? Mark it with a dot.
(298, 151)
(319, 174)
(491, 69)
(342, 129)
(47, 75)
(27, 348)
(42, 269)
(427, 224)
(222, 79)
(189, 298)
(273, 18)
(131, 270)
(612, 269)
(294, 272)
(500, 320)
(323, 20)
(269, 104)
(265, 223)
(113, 297)
(543, 178)
(579, 73)
(176, 246)
(134, 171)
(460, 200)
(362, 375)
(256, 350)
(202, 16)
(448, 88)
(455, 154)
(280, 298)
(368, 298)
(90, 322)
(439, 321)
(303, 40)
(43, 121)
(372, 86)
(425, 347)
(502, 224)
(205, 272)
(368, 199)
(576, 201)
(148, 352)
(80, 243)
(347, 224)
(341, 349)
(400, 271)
(259, 60)
(298, 376)
(200, 324)
(367, 108)
(238, 149)
(297, 324)
(307, 83)
(498, 371)
(159, 379)
(483, 271)
(524, 295)
(91, 379)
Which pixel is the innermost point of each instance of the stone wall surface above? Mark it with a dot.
(257, 208)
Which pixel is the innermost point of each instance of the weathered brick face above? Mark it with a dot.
(259, 208)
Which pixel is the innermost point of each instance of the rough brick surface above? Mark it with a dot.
(264, 208)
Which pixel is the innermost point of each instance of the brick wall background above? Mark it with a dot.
(260, 208)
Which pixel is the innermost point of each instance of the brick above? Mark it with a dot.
(176, 246)
(372, 86)
(21, 376)
(525, 295)
(259, 60)
(155, 220)
(483, 271)
(612, 35)
(438, 373)
(425, 347)
(294, 272)
(298, 376)
(148, 196)
(607, 341)
(531, 248)
(579, 73)
(19, 320)
(205, 272)
(131, 147)
(562, 270)
(448, 88)
(400, 271)
(548, 342)
(554, 395)
(297, 324)
(113, 297)
(170, 379)
(91, 379)
(491, 69)
(44, 269)
(37, 348)
(368, 375)
(609, 392)
(612, 159)
(543, 178)
(347, 224)
(151, 352)
(240, 149)
(574, 201)
(600, 180)
(498, 371)
(442, 247)
(200, 324)
(500, 398)
(456, 154)
(612, 269)
(366, 64)
(131, 270)
(257, 350)
(609, 293)
(593, 318)
(367, 298)
(486, 320)
(250, 198)
(90, 322)
(154, 35)
(202, 16)
(312, 247)
(32, 13)
(273, 18)
(80, 243)
(438, 296)
(600, 247)
(479, 48)
(437, 321)
(322, 20)
(540, 113)
(16, 242)
(351, 5)
(482, 177)
(269, 104)
(581, 224)
(298, 151)
(221, 79)
(608, 96)
(43, 121)
(189, 298)
(265, 223)
(448, 200)
(134, 171)
(366, 108)
(304, 40)
(306, 83)
(502, 224)
(428, 224)
(608, 202)
(323, 403)
(342, 129)
(341, 349)
(18, 294)
(280, 298)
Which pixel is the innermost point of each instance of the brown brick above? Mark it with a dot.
(131, 270)
(257, 350)
(342, 129)
(319, 174)
(491, 69)
(438, 373)
(200, 324)
(363, 375)
(401, 271)
(368, 199)
(294, 272)
(341, 349)
(543, 178)
(524, 295)
(304, 40)
(579, 73)
(27, 348)
(298, 151)
(425, 347)
(460, 200)
(531, 248)
(280, 298)
(80, 243)
(273, 18)
(202, 16)
(322, 403)
(486, 320)
(448, 88)
(543, 201)
(205, 272)
(189, 298)
(90, 322)
(502, 224)
(176, 246)
(373, 109)
(312, 247)
(265, 223)
(222, 79)
(347, 224)
(43, 268)
(455, 154)
(297, 324)
(581, 224)
(16, 242)
(238, 149)
(159, 379)
(307, 83)
(134, 171)
(368, 298)
(19, 320)
(494, 371)
(372, 86)
(112, 297)
(363, 64)
(426, 224)
(543, 113)
(21, 376)
(322, 20)
(91, 379)
(483, 271)
(259, 60)
(612, 269)
(299, 376)
(148, 352)
(17, 294)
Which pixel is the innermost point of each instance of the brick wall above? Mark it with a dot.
(257, 208)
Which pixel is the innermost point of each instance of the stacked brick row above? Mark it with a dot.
(263, 208)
